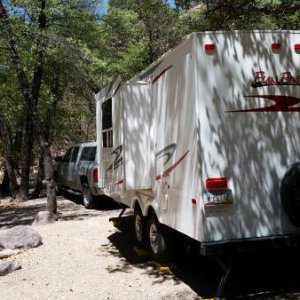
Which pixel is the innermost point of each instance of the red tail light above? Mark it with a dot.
(276, 46)
(209, 47)
(297, 47)
(216, 183)
(95, 175)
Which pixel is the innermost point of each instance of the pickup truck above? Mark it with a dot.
(77, 173)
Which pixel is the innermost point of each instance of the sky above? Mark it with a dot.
(171, 2)
(103, 6)
(102, 9)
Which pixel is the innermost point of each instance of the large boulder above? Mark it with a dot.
(44, 218)
(19, 237)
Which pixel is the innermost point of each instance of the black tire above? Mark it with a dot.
(87, 198)
(140, 227)
(159, 240)
(290, 194)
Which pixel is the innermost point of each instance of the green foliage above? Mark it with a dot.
(122, 44)
(67, 51)
(157, 22)
(161, 26)
(80, 51)
(11, 100)
(239, 14)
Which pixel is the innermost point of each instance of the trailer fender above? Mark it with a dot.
(135, 202)
(290, 194)
(152, 208)
(146, 209)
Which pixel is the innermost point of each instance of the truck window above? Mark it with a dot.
(88, 154)
(74, 154)
(107, 131)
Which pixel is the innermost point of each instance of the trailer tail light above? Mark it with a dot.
(276, 46)
(95, 175)
(297, 47)
(217, 192)
(216, 183)
(209, 47)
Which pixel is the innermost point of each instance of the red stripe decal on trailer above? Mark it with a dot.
(119, 182)
(173, 167)
(282, 103)
(161, 74)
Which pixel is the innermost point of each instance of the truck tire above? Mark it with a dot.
(87, 198)
(290, 194)
(159, 240)
(140, 227)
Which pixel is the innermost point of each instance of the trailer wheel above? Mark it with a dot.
(159, 240)
(87, 197)
(140, 226)
(290, 194)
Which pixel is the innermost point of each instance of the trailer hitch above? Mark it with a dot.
(117, 220)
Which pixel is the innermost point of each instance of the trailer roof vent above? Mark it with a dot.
(209, 47)
(276, 46)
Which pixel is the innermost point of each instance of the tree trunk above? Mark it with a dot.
(5, 185)
(50, 182)
(39, 178)
(32, 108)
(13, 184)
(27, 146)
(14, 187)
(31, 95)
(17, 147)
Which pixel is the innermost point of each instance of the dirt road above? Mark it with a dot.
(84, 256)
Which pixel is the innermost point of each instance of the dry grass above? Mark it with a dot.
(8, 202)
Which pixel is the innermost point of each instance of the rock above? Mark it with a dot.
(8, 267)
(44, 218)
(19, 237)
(8, 252)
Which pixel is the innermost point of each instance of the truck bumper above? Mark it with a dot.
(249, 245)
(97, 191)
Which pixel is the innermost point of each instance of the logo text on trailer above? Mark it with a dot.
(261, 79)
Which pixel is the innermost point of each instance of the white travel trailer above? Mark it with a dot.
(206, 142)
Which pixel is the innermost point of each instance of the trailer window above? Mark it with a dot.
(107, 131)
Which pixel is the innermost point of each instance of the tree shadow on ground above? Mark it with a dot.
(14, 215)
(269, 275)
(68, 209)
(74, 209)
(122, 246)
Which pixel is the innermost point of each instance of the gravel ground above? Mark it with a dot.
(84, 256)
(80, 260)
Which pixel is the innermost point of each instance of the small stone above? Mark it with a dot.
(8, 252)
(8, 267)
